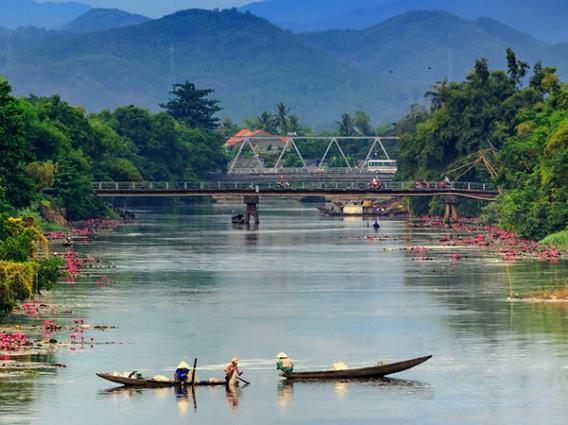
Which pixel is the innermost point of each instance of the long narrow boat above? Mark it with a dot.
(151, 383)
(378, 371)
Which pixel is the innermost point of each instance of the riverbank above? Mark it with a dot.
(558, 240)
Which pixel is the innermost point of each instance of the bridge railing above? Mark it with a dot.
(221, 186)
(303, 171)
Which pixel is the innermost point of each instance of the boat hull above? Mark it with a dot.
(379, 371)
(150, 383)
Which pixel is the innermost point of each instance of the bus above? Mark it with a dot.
(383, 166)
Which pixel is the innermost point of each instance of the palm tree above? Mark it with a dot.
(227, 127)
(281, 117)
(266, 122)
(439, 94)
(294, 123)
(346, 126)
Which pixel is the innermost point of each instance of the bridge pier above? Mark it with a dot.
(451, 209)
(251, 209)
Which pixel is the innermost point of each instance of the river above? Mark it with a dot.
(187, 284)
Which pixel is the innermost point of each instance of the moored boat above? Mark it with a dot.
(370, 372)
(153, 383)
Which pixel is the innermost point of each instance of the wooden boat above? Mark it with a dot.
(378, 371)
(151, 383)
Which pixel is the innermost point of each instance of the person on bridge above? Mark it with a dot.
(281, 183)
(376, 183)
(284, 363)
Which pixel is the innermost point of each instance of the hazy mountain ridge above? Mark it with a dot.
(544, 19)
(103, 19)
(252, 64)
(17, 13)
(431, 45)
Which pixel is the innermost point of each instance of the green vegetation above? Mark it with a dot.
(492, 126)
(52, 152)
(558, 240)
(382, 69)
(25, 267)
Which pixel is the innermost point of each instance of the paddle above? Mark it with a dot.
(193, 372)
(243, 380)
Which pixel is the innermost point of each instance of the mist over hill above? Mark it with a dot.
(544, 19)
(252, 64)
(16, 13)
(103, 19)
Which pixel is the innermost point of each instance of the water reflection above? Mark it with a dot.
(342, 387)
(232, 396)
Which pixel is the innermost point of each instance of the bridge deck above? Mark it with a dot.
(481, 191)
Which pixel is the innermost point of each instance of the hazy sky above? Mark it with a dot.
(156, 8)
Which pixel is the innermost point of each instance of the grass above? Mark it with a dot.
(558, 240)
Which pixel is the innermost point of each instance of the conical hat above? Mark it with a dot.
(183, 365)
(281, 355)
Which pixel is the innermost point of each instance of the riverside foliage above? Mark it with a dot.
(22, 272)
(494, 126)
(52, 152)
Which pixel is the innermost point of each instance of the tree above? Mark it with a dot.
(362, 124)
(281, 118)
(190, 105)
(227, 127)
(439, 94)
(14, 148)
(517, 69)
(346, 126)
(266, 122)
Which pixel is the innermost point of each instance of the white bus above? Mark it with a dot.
(383, 166)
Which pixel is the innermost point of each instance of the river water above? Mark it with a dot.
(187, 284)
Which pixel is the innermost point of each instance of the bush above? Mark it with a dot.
(16, 282)
(49, 272)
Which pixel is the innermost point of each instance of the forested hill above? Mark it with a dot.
(103, 19)
(546, 19)
(252, 64)
(426, 46)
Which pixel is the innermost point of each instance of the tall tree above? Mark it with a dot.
(362, 124)
(266, 122)
(439, 94)
(14, 149)
(281, 118)
(517, 69)
(191, 105)
(346, 126)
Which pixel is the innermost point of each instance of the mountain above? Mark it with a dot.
(301, 15)
(103, 19)
(428, 46)
(16, 13)
(252, 64)
(544, 19)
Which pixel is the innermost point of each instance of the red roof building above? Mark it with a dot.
(267, 138)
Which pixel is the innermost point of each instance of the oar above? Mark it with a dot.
(193, 372)
(243, 380)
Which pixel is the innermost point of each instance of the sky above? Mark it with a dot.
(157, 8)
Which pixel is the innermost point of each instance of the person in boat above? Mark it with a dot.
(232, 368)
(284, 363)
(182, 373)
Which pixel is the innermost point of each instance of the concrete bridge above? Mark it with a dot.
(251, 192)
